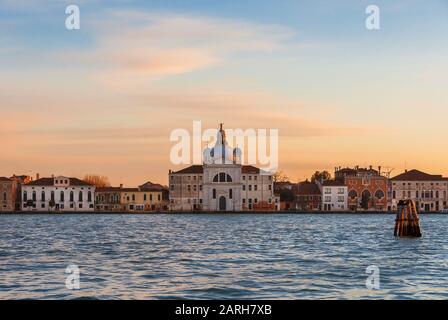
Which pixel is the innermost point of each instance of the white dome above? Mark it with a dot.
(221, 153)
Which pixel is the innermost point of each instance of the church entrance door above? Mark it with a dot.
(222, 203)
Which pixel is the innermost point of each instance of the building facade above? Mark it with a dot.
(308, 197)
(147, 197)
(20, 180)
(428, 191)
(58, 194)
(221, 183)
(334, 195)
(8, 189)
(367, 188)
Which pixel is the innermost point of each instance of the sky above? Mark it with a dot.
(104, 99)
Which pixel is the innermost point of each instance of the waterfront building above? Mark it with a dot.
(221, 183)
(308, 197)
(108, 199)
(147, 197)
(367, 188)
(58, 194)
(334, 195)
(7, 194)
(428, 191)
(20, 180)
(286, 192)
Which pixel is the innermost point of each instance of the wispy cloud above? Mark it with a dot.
(131, 43)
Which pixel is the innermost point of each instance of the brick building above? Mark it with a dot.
(367, 188)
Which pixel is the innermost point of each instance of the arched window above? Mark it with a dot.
(80, 196)
(222, 177)
(34, 195)
(4, 196)
(72, 196)
(379, 194)
(352, 194)
(52, 196)
(42, 196)
(214, 193)
(89, 196)
(62, 196)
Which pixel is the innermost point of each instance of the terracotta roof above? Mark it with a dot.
(50, 182)
(4, 179)
(333, 183)
(416, 175)
(308, 188)
(149, 186)
(108, 189)
(250, 170)
(195, 169)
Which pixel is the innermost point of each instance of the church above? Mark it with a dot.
(221, 183)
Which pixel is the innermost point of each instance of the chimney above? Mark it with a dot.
(121, 185)
(371, 167)
(379, 169)
(37, 176)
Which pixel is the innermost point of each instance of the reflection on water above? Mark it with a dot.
(282, 256)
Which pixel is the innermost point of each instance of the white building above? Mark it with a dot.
(221, 183)
(428, 191)
(60, 194)
(334, 195)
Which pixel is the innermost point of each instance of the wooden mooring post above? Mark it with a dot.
(407, 222)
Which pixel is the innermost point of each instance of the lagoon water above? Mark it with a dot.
(272, 256)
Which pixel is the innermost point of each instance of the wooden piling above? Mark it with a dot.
(407, 222)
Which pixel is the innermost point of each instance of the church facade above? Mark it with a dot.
(221, 183)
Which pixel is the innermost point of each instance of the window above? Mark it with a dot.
(144, 197)
(80, 197)
(25, 196)
(189, 188)
(52, 196)
(150, 197)
(133, 197)
(222, 177)
(4, 196)
(89, 196)
(230, 194)
(172, 187)
(255, 187)
(341, 199)
(72, 196)
(42, 196)
(214, 193)
(62, 196)
(34, 195)
(353, 194)
(270, 187)
(327, 198)
(158, 197)
(244, 187)
(250, 187)
(327, 190)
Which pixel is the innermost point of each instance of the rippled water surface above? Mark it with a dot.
(282, 256)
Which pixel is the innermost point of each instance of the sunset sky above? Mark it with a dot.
(104, 99)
